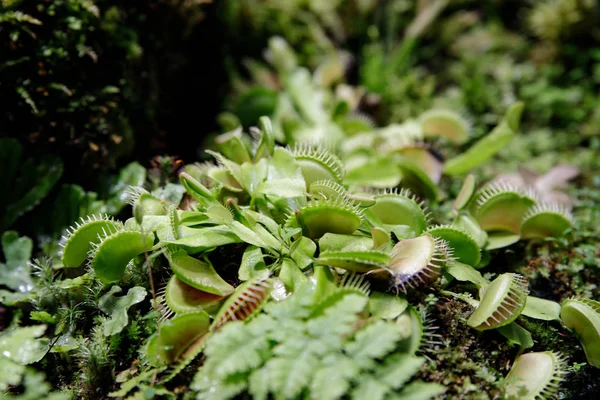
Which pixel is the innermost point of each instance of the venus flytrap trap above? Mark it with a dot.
(583, 317)
(535, 376)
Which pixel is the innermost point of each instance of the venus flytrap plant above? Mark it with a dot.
(303, 224)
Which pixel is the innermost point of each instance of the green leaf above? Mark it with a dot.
(42, 316)
(72, 199)
(258, 384)
(171, 192)
(466, 273)
(10, 156)
(236, 349)
(65, 343)
(543, 309)
(378, 172)
(133, 383)
(16, 248)
(258, 237)
(386, 306)
(205, 239)
(11, 373)
(291, 275)
(369, 388)
(22, 345)
(420, 391)
(284, 177)
(306, 97)
(516, 335)
(332, 380)
(112, 255)
(487, 146)
(289, 376)
(198, 274)
(116, 308)
(399, 369)
(253, 264)
(81, 240)
(303, 252)
(16, 272)
(374, 341)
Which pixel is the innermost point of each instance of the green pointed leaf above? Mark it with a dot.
(289, 376)
(332, 380)
(205, 239)
(369, 388)
(374, 341)
(487, 146)
(198, 274)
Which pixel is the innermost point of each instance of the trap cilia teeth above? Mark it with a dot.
(326, 189)
(464, 247)
(501, 207)
(79, 239)
(546, 220)
(507, 214)
(501, 302)
(417, 262)
(148, 203)
(106, 244)
(317, 163)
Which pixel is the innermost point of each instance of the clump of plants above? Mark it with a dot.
(280, 253)
(319, 256)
